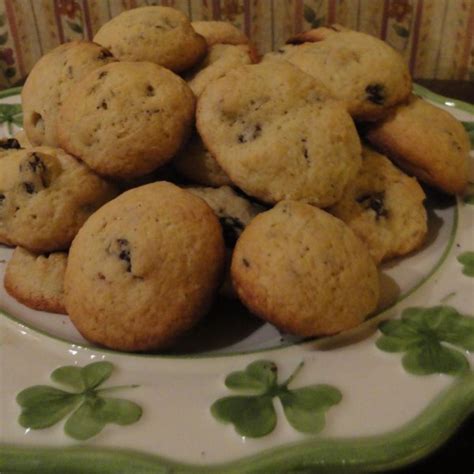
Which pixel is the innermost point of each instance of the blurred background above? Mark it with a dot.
(434, 36)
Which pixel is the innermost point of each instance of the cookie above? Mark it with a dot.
(278, 135)
(362, 71)
(219, 32)
(22, 139)
(384, 208)
(427, 142)
(220, 59)
(37, 281)
(45, 197)
(50, 82)
(144, 268)
(304, 271)
(127, 119)
(161, 35)
(233, 211)
(197, 165)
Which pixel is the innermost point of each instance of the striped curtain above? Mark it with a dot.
(434, 36)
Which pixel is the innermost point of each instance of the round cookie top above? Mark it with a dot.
(219, 32)
(220, 59)
(144, 268)
(359, 69)
(45, 197)
(196, 164)
(384, 208)
(50, 82)
(427, 142)
(127, 119)
(234, 212)
(161, 35)
(37, 281)
(304, 271)
(278, 135)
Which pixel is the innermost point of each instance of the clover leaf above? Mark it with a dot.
(254, 415)
(467, 260)
(427, 335)
(11, 114)
(43, 406)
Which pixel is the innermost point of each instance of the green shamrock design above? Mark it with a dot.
(11, 114)
(426, 336)
(254, 415)
(43, 406)
(467, 260)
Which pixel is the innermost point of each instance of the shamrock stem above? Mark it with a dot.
(293, 375)
(113, 389)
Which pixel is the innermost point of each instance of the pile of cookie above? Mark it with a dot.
(165, 162)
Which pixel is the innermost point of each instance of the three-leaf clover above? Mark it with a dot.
(43, 406)
(467, 260)
(11, 114)
(254, 415)
(423, 334)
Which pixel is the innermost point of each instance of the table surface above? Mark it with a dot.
(457, 455)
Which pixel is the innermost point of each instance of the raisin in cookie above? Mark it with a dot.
(50, 82)
(127, 119)
(7, 145)
(364, 72)
(45, 197)
(219, 32)
(220, 59)
(427, 142)
(304, 271)
(196, 164)
(161, 35)
(144, 268)
(278, 135)
(384, 208)
(37, 281)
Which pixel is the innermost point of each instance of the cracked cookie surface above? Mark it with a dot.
(278, 135)
(384, 207)
(158, 34)
(45, 197)
(304, 271)
(127, 119)
(144, 268)
(50, 82)
(37, 280)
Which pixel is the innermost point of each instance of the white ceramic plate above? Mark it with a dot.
(360, 401)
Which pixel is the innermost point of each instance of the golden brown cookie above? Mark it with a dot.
(37, 280)
(278, 135)
(196, 164)
(427, 142)
(219, 32)
(362, 71)
(45, 197)
(304, 271)
(144, 268)
(384, 207)
(50, 82)
(127, 119)
(161, 35)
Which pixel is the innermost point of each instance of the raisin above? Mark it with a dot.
(250, 134)
(104, 54)
(102, 74)
(231, 229)
(246, 262)
(375, 93)
(29, 187)
(2, 198)
(36, 164)
(10, 144)
(124, 253)
(150, 90)
(375, 202)
(102, 105)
